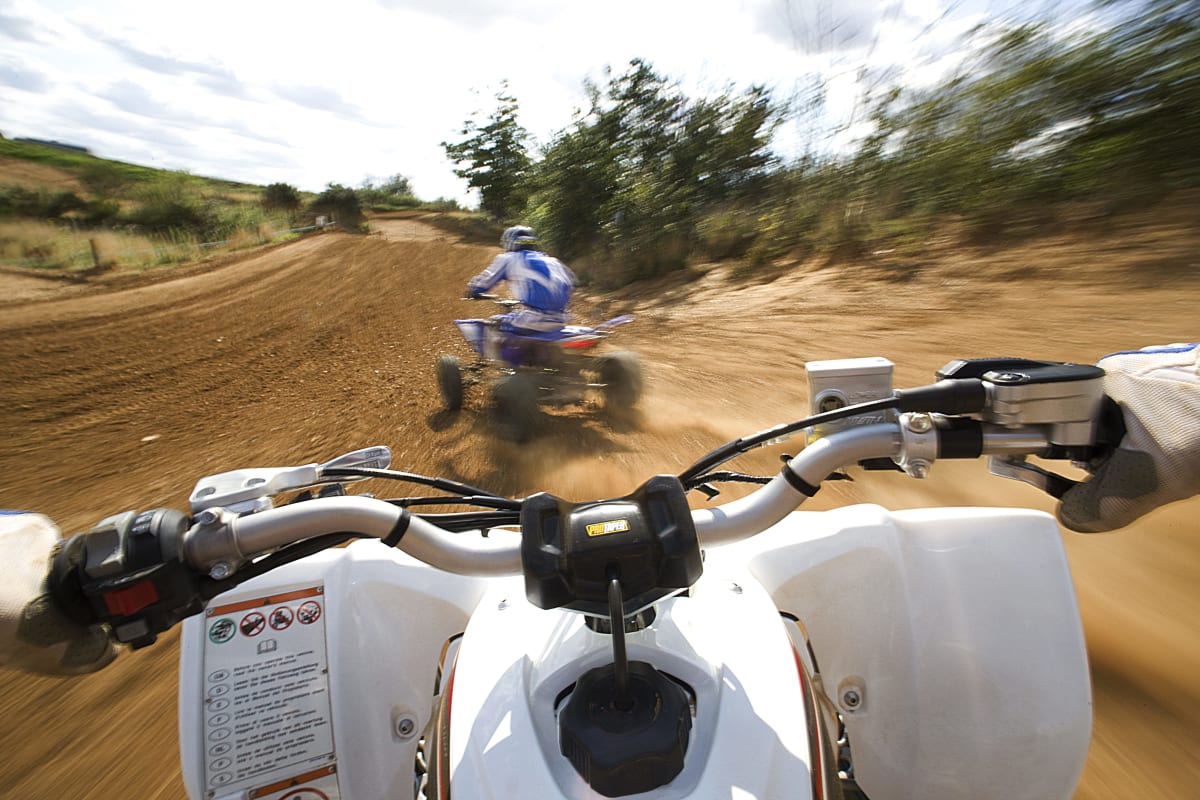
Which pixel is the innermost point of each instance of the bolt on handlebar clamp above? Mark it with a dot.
(918, 444)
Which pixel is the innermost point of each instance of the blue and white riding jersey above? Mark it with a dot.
(542, 283)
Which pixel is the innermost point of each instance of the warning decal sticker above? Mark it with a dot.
(267, 720)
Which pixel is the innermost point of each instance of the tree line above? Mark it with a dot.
(647, 178)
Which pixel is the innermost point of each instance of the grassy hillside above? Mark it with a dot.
(66, 209)
(89, 168)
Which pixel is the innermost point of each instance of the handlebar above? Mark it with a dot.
(224, 538)
(227, 539)
(143, 573)
(504, 302)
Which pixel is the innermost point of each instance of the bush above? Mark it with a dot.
(171, 205)
(100, 212)
(17, 201)
(342, 205)
(394, 194)
(443, 204)
(844, 235)
(728, 233)
(229, 220)
(281, 196)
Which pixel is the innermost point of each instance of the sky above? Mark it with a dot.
(356, 91)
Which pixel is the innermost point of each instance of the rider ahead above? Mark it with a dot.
(542, 283)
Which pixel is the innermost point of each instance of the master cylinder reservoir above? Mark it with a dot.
(842, 382)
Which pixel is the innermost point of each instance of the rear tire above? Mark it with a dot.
(450, 382)
(517, 410)
(621, 374)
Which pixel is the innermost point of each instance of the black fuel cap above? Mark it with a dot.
(624, 748)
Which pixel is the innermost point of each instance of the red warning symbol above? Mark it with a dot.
(309, 612)
(281, 618)
(252, 624)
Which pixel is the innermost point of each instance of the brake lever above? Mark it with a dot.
(1017, 469)
(1107, 436)
(247, 491)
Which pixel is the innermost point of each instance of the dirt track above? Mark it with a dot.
(120, 395)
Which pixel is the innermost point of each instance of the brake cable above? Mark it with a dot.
(422, 480)
(696, 474)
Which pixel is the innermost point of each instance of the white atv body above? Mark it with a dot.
(946, 642)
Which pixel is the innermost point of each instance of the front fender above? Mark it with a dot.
(959, 631)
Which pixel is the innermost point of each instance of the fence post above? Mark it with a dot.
(95, 253)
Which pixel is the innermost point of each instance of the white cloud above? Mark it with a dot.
(314, 93)
(481, 12)
(818, 26)
(18, 76)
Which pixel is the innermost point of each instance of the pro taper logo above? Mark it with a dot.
(605, 528)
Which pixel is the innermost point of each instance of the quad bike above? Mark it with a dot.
(635, 646)
(529, 369)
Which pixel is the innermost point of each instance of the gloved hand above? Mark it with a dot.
(34, 635)
(1158, 461)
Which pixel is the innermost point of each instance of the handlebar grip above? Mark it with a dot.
(128, 573)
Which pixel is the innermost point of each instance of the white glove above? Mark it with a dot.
(34, 635)
(1158, 461)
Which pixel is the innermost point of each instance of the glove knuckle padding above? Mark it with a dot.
(1158, 461)
(1114, 496)
(34, 634)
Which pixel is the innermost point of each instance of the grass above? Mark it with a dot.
(85, 164)
(65, 209)
(152, 217)
(40, 245)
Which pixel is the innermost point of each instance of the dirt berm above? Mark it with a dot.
(120, 392)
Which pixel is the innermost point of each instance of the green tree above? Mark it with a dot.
(494, 158)
(645, 163)
(1041, 116)
(572, 189)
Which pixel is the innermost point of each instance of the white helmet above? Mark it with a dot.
(519, 237)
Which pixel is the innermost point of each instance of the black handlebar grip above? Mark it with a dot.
(959, 437)
(950, 396)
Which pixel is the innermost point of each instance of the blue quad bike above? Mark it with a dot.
(523, 371)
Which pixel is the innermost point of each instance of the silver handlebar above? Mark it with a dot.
(222, 540)
(740, 519)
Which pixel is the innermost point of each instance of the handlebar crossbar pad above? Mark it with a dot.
(571, 551)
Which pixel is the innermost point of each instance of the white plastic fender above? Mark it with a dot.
(960, 633)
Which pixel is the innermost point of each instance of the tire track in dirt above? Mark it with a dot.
(121, 396)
